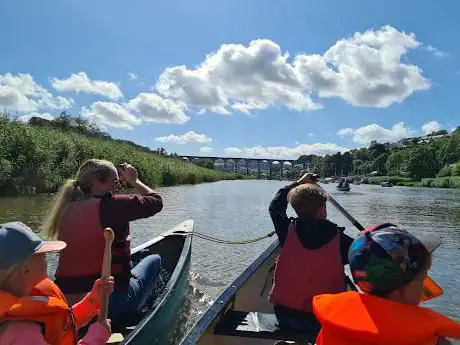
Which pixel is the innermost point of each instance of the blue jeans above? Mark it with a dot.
(126, 304)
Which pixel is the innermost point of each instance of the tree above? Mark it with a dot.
(306, 159)
(452, 154)
(347, 163)
(161, 151)
(396, 163)
(205, 163)
(421, 163)
(63, 121)
(362, 154)
(376, 149)
(38, 121)
(441, 132)
(380, 163)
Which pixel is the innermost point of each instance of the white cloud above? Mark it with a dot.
(188, 137)
(364, 70)
(26, 117)
(206, 149)
(132, 76)
(431, 127)
(79, 82)
(311, 134)
(345, 131)
(283, 152)
(366, 134)
(109, 114)
(154, 108)
(435, 51)
(232, 151)
(21, 93)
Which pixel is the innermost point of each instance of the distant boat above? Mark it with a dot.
(387, 184)
(343, 187)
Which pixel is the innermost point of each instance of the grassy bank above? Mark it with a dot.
(441, 182)
(41, 158)
(438, 182)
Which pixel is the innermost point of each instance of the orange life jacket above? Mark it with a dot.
(353, 318)
(302, 273)
(80, 262)
(45, 305)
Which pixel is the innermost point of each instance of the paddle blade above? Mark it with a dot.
(430, 289)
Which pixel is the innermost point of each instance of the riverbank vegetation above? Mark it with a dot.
(429, 161)
(39, 156)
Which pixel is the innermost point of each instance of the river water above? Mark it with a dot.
(239, 210)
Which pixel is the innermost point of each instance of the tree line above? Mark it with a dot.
(435, 155)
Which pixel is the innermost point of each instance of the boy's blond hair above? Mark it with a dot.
(306, 199)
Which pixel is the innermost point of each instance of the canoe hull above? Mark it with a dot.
(244, 292)
(247, 295)
(159, 325)
(160, 330)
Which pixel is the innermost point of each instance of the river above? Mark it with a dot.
(239, 210)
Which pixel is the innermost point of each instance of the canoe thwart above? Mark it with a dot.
(257, 325)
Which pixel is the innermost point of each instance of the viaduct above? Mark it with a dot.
(261, 162)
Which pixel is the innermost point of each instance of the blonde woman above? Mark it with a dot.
(33, 311)
(83, 208)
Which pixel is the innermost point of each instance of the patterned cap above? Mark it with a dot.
(385, 258)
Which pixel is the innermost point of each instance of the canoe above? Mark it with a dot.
(242, 314)
(386, 184)
(174, 246)
(344, 189)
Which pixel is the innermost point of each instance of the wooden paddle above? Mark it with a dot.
(106, 270)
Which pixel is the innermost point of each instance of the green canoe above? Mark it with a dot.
(174, 246)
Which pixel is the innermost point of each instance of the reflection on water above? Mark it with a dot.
(239, 210)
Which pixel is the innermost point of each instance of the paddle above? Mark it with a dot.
(343, 211)
(106, 270)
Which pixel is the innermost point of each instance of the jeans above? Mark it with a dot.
(124, 305)
(296, 321)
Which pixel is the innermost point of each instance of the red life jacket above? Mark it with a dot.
(80, 262)
(351, 318)
(45, 305)
(303, 273)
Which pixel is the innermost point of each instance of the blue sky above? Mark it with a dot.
(272, 79)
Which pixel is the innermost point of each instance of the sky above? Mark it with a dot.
(258, 78)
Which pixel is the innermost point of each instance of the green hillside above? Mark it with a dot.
(42, 154)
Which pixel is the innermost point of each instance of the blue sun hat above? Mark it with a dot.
(18, 242)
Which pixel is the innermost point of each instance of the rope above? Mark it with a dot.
(218, 240)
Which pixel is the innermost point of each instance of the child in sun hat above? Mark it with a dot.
(33, 310)
(390, 267)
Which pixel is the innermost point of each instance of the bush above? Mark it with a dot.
(397, 180)
(43, 157)
(446, 171)
(441, 182)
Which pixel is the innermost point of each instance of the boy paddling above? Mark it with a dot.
(314, 252)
